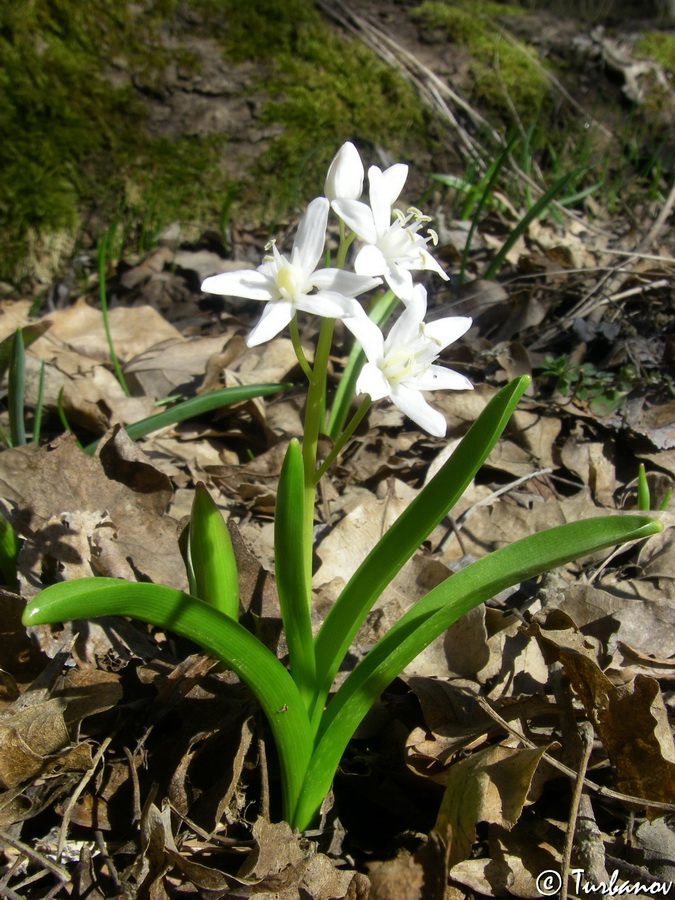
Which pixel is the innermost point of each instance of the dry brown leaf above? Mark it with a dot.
(172, 365)
(489, 786)
(630, 720)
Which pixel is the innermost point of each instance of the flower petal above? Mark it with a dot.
(275, 317)
(370, 261)
(447, 331)
(327, 303)
(248, 283)
(394, 178)
(415, 407)
(438, 378)
(357, 216)
(400, 281)
(311, 235)
(380, 199)
(366, 333)
(344, 180)
(347, 283)
(372, 381)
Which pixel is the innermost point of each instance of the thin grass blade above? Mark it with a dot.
(218, 634)
(212, 561)
(37, 418)
(16, 390)
(529, 216)
(406, 534)
(196, 406)
(9, 552)
(435, 612)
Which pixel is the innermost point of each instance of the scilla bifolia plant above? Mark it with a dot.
(310, 728)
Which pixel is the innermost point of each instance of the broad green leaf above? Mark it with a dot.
(295, 594)
(211, 557)
(218, 634)
(435, 612)
(405, 536)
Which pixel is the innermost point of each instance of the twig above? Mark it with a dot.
(35, 856)
(586, 734)
(75, 796)
(566, 770)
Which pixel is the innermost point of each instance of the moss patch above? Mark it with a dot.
(658, 45)
(74, 139)
(500, 69)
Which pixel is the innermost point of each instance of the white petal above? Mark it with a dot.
(380, 199)
(438, 378)
(327, 303)
(428, 262)
(248, 283)
(370, 261)
(366, 333)
(275, 318)
(357, 216)
(394, 179)
(344, 180)
(407, 327)
(372, 381)
(413, 404)
(400, 281)
(347, 283)
(311, 235)
(447, 331)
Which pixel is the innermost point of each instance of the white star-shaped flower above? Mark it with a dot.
(288, 285)
(402, 365)
(392, 248)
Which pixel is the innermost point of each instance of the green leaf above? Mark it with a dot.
(196, 406)
(295, 594)
(211, 556)
(218, 634)
(9, 552)
(406, 534)
(435, 612)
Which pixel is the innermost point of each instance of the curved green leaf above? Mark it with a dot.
(435, 612)
(212, 563)
(406, 534)
(218, 634)
(291, 576)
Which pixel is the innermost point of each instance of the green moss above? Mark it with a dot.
(74, 144)
(499, 68)
(658, 45)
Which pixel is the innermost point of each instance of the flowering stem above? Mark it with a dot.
(345, 243)
(297, 346)
(314, 412)
(344, 437)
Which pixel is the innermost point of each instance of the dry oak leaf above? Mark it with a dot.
(631, 720)
(489, 786)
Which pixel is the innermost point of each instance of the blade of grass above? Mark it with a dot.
(9, 552)
(196, 406)
(16, 390)
(412, 527)
(218, 634)
(37, 419)
(103, 297)
(529, 216)
(435, 612)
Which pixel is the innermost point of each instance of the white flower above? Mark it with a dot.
(392, 249)
(344, 180)
(401, 366)
(288, 285)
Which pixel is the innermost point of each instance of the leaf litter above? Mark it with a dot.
(133, 766)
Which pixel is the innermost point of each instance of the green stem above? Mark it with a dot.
(297, 346)
(103, 297)
(344, 437)
(314, 413)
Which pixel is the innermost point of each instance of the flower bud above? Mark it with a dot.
(344, 180)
